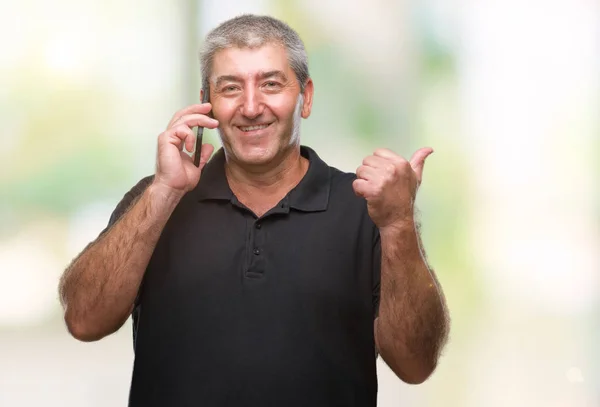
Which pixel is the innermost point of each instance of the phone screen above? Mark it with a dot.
(200, 131)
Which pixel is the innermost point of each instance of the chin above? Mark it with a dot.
(255, 155)
(257, 150)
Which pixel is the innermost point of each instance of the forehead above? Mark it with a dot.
(247, 62)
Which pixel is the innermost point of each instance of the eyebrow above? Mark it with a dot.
(261, 75)
(271, 74)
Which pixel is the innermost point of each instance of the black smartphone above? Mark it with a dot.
(200, 131)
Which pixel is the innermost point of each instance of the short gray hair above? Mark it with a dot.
(251, 31)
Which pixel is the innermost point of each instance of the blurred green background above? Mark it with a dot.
(507, 93)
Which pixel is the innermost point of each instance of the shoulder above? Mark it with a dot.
(341, 178)
(349, 207)
(342, 192)
(341, 181)
(336, 177)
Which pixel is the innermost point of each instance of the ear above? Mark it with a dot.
(201, 94)
(309, 90)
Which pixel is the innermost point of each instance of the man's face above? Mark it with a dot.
(254, 93)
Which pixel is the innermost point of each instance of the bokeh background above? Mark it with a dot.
(507, 93)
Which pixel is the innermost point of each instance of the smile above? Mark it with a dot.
(246, 129)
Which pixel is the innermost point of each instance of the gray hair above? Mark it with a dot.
(251, 31)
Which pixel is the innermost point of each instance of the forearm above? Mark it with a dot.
(412, 326)
(98, 289)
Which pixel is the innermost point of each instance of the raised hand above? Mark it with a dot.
(175, 170)
(389, 183)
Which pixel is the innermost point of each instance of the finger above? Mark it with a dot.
(201, 108)
(205, 153)
(180, 135)
(192, 120)
(367, 173)
(417, 161)
(363, 188)
(186, 157)
(387, 154)
(376, 162)
(198, 108)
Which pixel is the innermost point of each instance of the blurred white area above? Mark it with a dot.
(526, 101)
(48, 368)
(213, 13)
(85, 226)
(529, 79)
(29, 272)
(530, 93)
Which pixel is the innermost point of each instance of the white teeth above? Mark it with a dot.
(250, 128)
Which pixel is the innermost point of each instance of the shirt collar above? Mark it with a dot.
(310, 195)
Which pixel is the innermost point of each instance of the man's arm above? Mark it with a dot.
(413, 323)
(98, 289)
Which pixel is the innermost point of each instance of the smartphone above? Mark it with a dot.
(200, 131)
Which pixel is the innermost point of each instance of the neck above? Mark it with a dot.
(274, 178)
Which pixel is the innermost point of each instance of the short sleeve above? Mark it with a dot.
(128, 199)
(376, 272)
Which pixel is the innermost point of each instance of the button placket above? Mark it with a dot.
(256, 265)
(258, 237)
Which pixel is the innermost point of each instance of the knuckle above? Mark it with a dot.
(397, 160)
(404, 167)
(183, 128)
(390, 169)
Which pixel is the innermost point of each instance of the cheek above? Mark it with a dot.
(223, 111)
(283, 107)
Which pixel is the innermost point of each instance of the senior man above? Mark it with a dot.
(263, 277)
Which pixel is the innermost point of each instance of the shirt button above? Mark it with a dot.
(258, 225)
(256, 251)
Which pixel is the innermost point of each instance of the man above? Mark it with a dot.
(263, 277)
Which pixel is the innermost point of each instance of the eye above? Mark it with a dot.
(229, 88)
(271, 84)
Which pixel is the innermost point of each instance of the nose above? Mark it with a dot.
(252, 104)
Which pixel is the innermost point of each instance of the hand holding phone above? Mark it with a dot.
(175, 168)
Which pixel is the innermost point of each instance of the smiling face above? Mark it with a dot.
(255, 95)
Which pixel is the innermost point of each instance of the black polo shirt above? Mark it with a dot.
(236, 310)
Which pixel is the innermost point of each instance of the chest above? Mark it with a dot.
(290, 289)
(288, 259)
